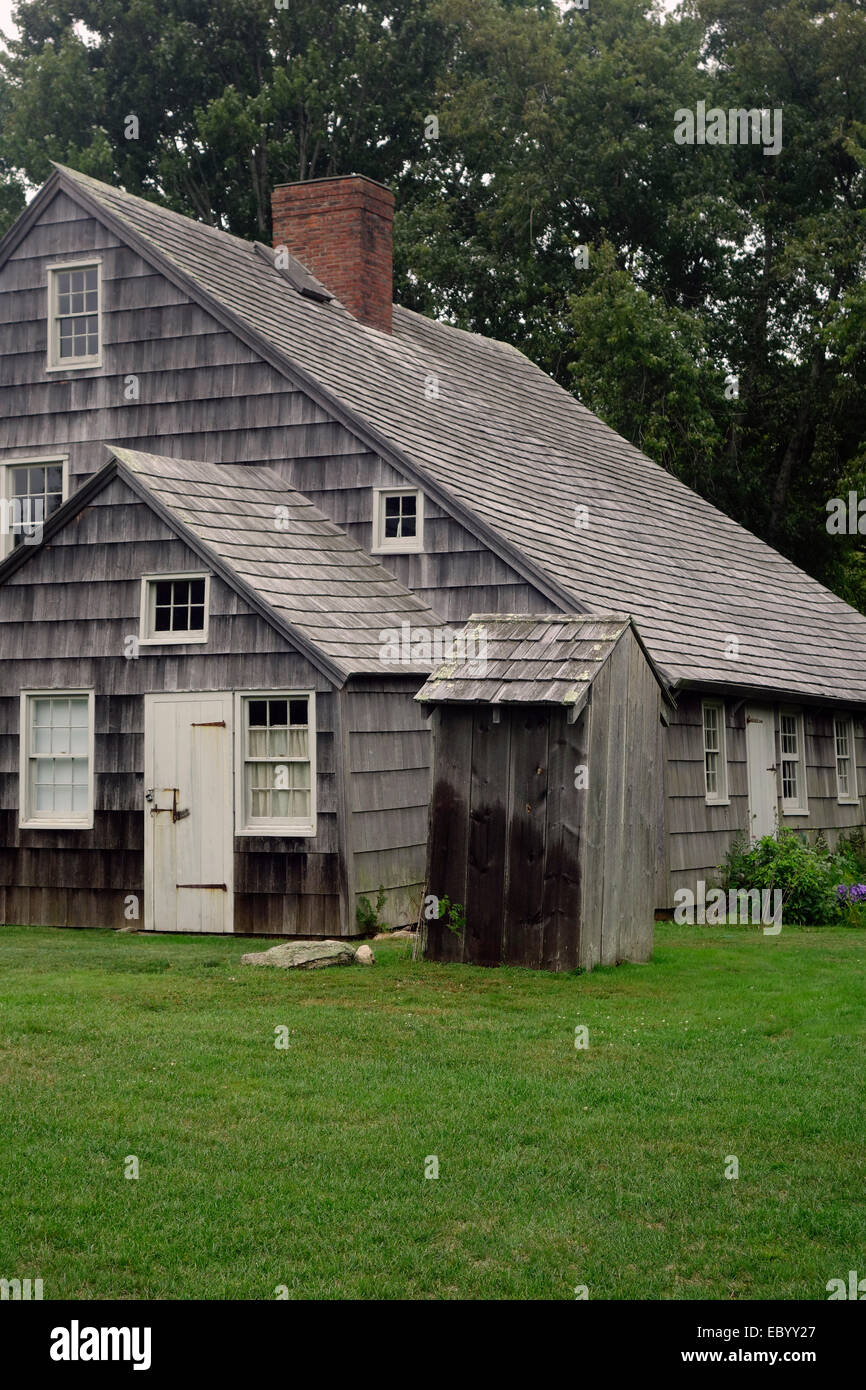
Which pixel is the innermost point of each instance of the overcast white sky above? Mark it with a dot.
(5, 16)
(6, 13)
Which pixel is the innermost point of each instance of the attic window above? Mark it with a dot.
(30, 490)
(174, 608)
(74, 312)
(398, 520)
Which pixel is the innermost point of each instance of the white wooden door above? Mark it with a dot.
(188, 813)
(761, 763)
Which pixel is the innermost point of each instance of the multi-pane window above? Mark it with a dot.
(401, 518)
(175, 608)
(846, 767)
(793, 766)
(56, 765)
(73, 315)
(278, 763)
(715, 762)
(29, 493)
(398, 519)
(37, 490)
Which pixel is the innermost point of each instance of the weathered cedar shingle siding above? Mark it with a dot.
(235, 366)
(85, 590)
(205, 395)
(389, 751)
(700, 835)
(80, 592)
(514, 454)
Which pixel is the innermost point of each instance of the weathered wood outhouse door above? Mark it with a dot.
(761, 762)
(188, 813)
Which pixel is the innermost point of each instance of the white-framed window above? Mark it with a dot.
(75, 315)
(398, 520)
(30, 490)
(715, 753)
(174, 608)
(846, 762)
(276, 763)
(792, 757)
(56, 764)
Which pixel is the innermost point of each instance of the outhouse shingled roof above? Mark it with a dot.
(519, 659)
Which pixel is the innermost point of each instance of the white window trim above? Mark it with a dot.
(400, 545)
(721, 798)
(54, 362)
(273, 828)
(26, 819)
(801, 806)
(164, 639)
(852, 799)
(28, 462)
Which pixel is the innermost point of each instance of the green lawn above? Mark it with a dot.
(557, 1167)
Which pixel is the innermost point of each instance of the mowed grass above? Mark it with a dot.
(558, 1167)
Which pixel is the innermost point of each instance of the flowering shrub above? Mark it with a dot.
(852, 901)
(818, 888)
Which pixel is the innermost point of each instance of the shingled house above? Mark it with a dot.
(469, 477)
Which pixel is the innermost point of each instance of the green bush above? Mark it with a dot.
(850, 857)
(806, 874)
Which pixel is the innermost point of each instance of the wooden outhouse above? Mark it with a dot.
(547, 815)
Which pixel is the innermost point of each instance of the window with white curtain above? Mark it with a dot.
(276, 766)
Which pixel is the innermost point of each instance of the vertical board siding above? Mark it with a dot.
(448, 847)
(555, 874)
(523, 925)
(488, 823)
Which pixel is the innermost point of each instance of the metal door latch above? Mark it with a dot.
(176, 813)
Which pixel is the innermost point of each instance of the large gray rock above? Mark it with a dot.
(302, 955)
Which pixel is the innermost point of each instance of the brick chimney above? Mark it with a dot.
(341, 230)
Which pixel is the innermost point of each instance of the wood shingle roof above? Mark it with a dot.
(508, 447)
(316, 584)
(527, 659)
